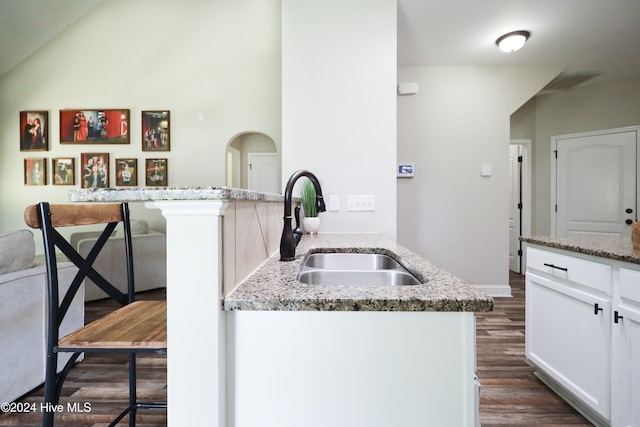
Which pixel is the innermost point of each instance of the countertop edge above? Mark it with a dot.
(380, 305)
(150, 194)
(614, 248)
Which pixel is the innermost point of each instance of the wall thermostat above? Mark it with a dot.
(405, 170)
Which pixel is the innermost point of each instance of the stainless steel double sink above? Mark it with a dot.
(354, 269)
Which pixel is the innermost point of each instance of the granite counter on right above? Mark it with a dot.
(616, 248)
(583, 323)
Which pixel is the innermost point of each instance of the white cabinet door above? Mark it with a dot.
(568, 337)
(626, 347)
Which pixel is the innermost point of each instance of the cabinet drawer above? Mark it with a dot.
(584, 272)
(630, 285)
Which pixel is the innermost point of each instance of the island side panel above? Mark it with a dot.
(195, 320)
(350, 368)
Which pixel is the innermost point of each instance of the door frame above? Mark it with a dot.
(234, 168)
(525, 184)
(554, 165)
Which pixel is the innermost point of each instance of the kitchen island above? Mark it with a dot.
(269, 350)
(342, 355)
(583, 323)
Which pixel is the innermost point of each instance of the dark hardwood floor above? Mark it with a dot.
(102, 382)
(510, 396)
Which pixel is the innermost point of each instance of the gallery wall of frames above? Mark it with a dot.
(91, 130)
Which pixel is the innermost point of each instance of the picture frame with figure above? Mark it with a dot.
(94, 170)
(34, 131)
(63, 170)
(156, 172)
(126, 172)
(155, 131)
(103, 126)
(35, 171)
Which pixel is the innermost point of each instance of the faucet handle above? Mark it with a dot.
(320, 206)
(296, 213)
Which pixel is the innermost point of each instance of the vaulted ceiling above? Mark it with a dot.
(27, 25)
(589, 37)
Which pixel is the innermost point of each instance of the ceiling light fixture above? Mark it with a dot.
(513, 41)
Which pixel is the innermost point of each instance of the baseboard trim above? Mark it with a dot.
(496, 291)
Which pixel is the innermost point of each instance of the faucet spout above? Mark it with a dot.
(290, 237)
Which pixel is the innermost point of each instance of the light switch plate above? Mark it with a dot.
(361, 203)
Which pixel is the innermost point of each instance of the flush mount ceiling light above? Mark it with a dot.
(513, 41)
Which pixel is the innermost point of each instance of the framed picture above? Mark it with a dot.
(94, 126)
(126, 172)
(35, 171)
(34, 130)
(94, 170)
(155, 131)
(156, 172)
(63, 170)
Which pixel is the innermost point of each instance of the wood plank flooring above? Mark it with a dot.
(102, 382)
(511, 395)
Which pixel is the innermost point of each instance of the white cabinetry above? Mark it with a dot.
(341, 368)
(568, 325)
(626, 348)
(583, 331)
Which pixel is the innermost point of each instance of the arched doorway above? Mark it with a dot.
(253, 163)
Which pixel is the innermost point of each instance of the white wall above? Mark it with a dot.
(595, 107)
(219, 58)
(338, 103)
(459, 121)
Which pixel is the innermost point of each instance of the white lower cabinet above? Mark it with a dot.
(568, 336)
(346, 368)
(626, 349)
(583, 332)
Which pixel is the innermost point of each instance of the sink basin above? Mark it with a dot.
(350, 261)
(358, 278)
(354, 269)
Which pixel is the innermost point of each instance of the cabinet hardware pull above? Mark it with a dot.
(617, 317)
(556, 267)
(596, 309)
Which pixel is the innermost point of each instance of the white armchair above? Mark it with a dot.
(149, 258)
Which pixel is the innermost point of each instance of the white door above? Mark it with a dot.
(595, 183)
(263, 172)
(515, 207)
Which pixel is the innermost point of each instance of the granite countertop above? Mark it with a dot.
(274, 286)
(147, 194)
(615, 248)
